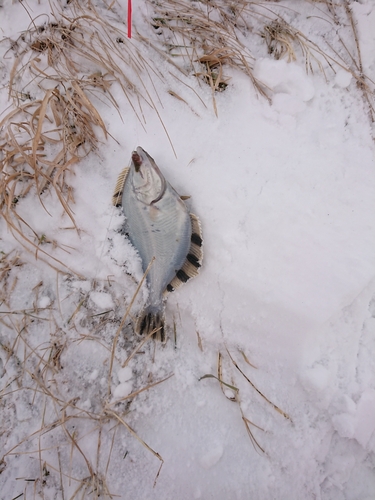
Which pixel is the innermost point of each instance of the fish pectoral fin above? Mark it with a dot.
(194, 258)
(119, 189)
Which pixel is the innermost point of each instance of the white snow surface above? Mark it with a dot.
(285, 194)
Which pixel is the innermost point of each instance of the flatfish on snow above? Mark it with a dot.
(160, 227)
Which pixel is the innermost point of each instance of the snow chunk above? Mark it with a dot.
(102, 300)
(229, 393)
(316, 378)
(212, 457)
(344, 404)
(94, 375)
(355, 421)
(44, 302)
(343, 78)
(283, 77)
(344, 424)
(123, 390)
(86, 405)
(125, 374)
(126, 386)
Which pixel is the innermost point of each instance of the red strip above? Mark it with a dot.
(129, 18)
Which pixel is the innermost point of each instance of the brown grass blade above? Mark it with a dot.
(285, 415)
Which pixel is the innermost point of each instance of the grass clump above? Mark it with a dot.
(206, 37)
(61, 69)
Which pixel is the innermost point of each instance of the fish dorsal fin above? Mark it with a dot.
(194, 257)
(117, 195)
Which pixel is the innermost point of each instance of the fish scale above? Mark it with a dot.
(159, 226)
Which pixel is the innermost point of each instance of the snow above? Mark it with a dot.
(125, 374)
(283, 77)
(44, 301)
(365, 417)
(343, 78)
(285, 193)
(123, 390)
(102, 300)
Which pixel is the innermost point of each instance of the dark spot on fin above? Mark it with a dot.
(119, 189)
(149, 321)
(182, 276)
(193, 260)
(196, 239)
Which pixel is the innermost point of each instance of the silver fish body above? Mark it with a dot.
(160, 227)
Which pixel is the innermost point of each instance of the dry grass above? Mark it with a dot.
(234, 393)
(73, 448)
(351, 59)
(66, 63)
(61, 66)
(8, 262)
(205, 37)
(283, 40)
(62, 69)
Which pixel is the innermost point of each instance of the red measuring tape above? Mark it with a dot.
(129, 18)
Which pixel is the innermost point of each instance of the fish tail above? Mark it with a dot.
(149, 321)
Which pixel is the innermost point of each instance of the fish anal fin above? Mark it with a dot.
(194, 258)
(117, 195)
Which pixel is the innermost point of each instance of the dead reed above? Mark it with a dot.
(72, 448)
(63, 64)
(204, 38)
(62, 68)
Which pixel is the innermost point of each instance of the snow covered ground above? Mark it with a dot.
(285, 193)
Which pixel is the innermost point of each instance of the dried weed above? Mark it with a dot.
(62, 67)
(62, 445)
(203, 38)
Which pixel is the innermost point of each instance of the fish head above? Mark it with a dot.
(148, 182)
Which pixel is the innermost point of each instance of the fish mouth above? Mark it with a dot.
(137, 160)
(139, 157)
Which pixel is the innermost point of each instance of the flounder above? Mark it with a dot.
(160, 227)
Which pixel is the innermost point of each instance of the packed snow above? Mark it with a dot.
(285, 191)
